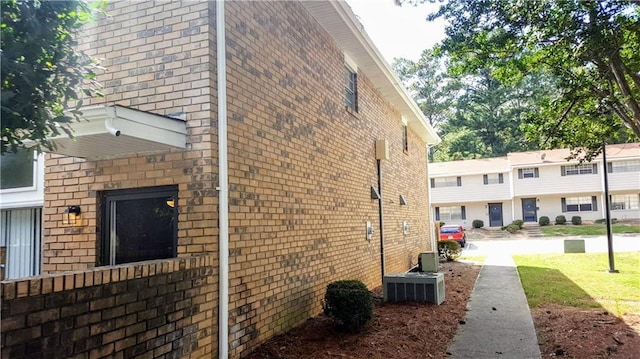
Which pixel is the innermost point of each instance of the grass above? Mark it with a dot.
(587, 229)
(476, 259)
(581, 280)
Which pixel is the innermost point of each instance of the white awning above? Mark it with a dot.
(108, 131)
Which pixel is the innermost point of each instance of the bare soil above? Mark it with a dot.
(412, 330)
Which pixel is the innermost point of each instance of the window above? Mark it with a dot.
(582, 169)
(579, 204)
(455, 213)
(528, 172)
(625, 201)
(623, 166)
(17, 170)
(405, 139)
(351, 89)
(446, 182)
(493, 178)
(139, 225)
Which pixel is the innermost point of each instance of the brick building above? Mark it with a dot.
(164, 240)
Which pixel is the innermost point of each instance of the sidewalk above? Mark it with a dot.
(498, 321)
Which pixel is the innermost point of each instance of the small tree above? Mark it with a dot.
(449, 250)
(42, 72)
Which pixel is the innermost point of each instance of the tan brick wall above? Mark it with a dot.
(301, 167)
(159, 309)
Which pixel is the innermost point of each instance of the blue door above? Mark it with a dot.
(529, 210)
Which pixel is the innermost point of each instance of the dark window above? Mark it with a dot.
(139, 225)
(16, 170)
(351, 89)
(528, 172)
(405, 139)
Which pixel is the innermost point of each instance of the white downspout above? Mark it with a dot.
(223, 189)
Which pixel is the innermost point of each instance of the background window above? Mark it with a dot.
(582, 169)
(528, 172)
(405, 139)
(625, 201)
(623, 166)
(454, 213)
(139, 225)
(493, 178)
(446, 182)
(17, 170)
(579, 204)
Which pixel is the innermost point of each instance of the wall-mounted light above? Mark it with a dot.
(71, 215)
(374, 193)
(405, 227)
(403, 201)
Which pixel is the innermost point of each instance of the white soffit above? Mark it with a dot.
(109, 131)
(337, 18)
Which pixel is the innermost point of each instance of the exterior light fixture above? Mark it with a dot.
(403, 201)
(374, 193)
(71, 215)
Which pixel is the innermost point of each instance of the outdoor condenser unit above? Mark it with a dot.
(428, 262)
(414, 287)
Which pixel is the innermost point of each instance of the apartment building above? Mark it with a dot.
(528, 185)
(222, 182)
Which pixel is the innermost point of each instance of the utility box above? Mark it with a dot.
(574, 246)
(414, 287)
(428, 262)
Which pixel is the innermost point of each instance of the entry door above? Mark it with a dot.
(495, 214)
(529, 211)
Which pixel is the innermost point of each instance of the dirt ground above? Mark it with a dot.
(411, 330)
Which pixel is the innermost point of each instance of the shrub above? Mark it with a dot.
(518, 222)
(349, 302)
(604, 221)
(449, 250)
(477, 223)
(544, 221)
(561, 219)
(512, 228)
(576, 220)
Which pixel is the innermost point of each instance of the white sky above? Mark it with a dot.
(398, 31)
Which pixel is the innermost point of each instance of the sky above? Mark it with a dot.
(398, 31)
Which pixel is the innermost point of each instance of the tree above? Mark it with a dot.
(590, 48)
(43, 74)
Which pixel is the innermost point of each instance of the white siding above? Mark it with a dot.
(473, 189)
(624, 181)
(479, 210)
(550, 181)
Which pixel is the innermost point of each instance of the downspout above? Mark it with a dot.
(223, 182)
(381, 221)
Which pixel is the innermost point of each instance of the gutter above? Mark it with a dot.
(223, 186)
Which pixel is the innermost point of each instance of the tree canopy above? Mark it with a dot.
(43, 73)
(590, 51)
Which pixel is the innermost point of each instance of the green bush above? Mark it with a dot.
(544, 221)
(604, 221)
(477, 223)
(576, 220)
(349, 302)
(449, 250)
(561, 219)
(512, 228)
(519, 223)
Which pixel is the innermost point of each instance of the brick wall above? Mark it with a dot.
(301, 167)
(159, 309)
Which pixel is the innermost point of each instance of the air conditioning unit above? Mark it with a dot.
(428, 262)
(414, 287)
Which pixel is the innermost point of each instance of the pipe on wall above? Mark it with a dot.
(223, 186)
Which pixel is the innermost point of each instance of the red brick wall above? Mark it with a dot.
(159, 309)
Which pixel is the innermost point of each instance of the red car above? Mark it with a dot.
(453, 233)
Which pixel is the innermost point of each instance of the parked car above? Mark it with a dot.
(453, 233)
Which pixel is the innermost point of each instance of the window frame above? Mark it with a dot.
(623, 166)
(34, 178)
(579, 169)
(579, 204)
(106, 257)
(444, 182)
(630, 201)
(350, 88)
(528, 172)
(439, 210)
(492, 178)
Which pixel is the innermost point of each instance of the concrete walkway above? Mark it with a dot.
(498, 321)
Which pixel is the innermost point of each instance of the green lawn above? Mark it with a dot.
(587, 229)
(581, 280)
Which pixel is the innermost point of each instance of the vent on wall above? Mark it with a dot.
(414, 287)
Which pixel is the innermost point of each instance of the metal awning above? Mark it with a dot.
(108, 131)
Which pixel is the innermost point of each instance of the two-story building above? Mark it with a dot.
(226, 177)
(528, 185)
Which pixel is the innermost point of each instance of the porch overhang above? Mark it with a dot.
(110, 131)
